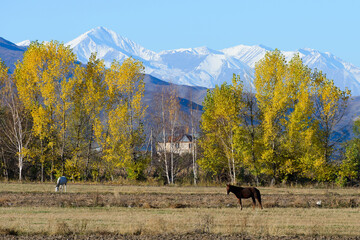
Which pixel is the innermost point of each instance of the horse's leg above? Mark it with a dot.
(254, 203)
(259, 200)
(240, 203)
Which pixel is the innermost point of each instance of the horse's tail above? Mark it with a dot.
(258, 196)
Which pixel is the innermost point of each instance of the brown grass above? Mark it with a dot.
(268, 222)
(135, 189)
(171, 200)
(149, 210)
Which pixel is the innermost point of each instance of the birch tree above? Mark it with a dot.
(220, 124)
(16, 128)
(163, 100)
(174, 112)
(194, 123)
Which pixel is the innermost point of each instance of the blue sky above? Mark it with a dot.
(325, 25)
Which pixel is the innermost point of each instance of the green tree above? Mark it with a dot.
(41, 80)
(87, 101)
(300, 125)
(330, 103)
(273, 100)
(250, 140)
(94, 99)
(220, 124)
(350, 166)
(121, 136)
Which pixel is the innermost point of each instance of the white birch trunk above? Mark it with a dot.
(194, 156)
(172, 155)
(233, 158)
(164, 139)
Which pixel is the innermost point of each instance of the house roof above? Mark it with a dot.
(181, 138)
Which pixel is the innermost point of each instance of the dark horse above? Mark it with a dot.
(248, 192)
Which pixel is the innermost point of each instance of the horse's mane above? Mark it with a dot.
(233, 188)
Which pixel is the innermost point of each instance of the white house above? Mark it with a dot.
(181, 145)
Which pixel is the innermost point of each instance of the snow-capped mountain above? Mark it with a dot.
(109, 46)
(203, 66)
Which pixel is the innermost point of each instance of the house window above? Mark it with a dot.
(177, 145)
(189, 145)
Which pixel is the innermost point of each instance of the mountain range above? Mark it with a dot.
(200, 66)
(203, 66)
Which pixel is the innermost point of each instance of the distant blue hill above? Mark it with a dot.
(10, 53)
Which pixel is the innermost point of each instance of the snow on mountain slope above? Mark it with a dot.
(185, 58)
(344, 74)
(109, 46)
(201, 67)
(204, 66)
(24, 43)
(247, 54)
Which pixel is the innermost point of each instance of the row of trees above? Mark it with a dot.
(88, 122)
(286, 131)
(82, 121)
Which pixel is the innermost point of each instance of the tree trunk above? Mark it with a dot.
(20, 168)
(6, 172)
(88, 154)
(20, 158)
(52, 170)
(172, 155)
(165, 158)
(42, 172)
(230, 171)
(42, 160)
(164, 138)
(194, 156)
(233, 168)
(233, 159)
(151, 147)
(63, 144)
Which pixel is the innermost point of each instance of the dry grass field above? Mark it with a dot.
(146, 212)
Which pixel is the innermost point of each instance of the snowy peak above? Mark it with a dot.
(247, 54)
(108, 45)
(24, 43)
(100, 35)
